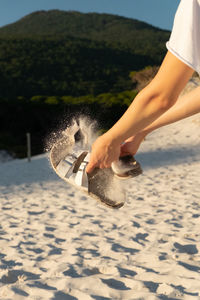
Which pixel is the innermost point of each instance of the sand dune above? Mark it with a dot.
(57, 243)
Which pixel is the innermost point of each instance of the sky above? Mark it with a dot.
(159, 13)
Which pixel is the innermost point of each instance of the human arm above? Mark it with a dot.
(149, 105)
(186, 106)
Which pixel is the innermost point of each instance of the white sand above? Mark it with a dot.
(56, 243)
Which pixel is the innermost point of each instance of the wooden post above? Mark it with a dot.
(28, 136)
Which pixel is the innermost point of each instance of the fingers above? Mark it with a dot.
(124, 150)
(90, 167)
(128, 148)
(125, 153)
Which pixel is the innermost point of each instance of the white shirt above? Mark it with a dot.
(184, 41)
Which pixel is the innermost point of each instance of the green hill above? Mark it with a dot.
(102, 27)
(60, 22)
(57, 52)
(138, 36)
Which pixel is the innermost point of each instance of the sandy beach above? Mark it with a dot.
(56, 243)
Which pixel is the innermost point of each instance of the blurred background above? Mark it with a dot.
(62, 58)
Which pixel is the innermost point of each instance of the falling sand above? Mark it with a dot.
(76, 140)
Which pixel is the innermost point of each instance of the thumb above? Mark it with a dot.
(90, 167)
(123, 150)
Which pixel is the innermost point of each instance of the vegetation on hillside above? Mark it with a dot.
(47, 66)
(57, 52)
(139, 37)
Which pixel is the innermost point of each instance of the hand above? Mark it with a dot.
(104, 152)
(132, 144)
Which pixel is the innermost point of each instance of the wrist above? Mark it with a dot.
(113, 138)
(140, 135)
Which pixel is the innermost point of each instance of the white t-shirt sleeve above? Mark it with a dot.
(184, 41)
